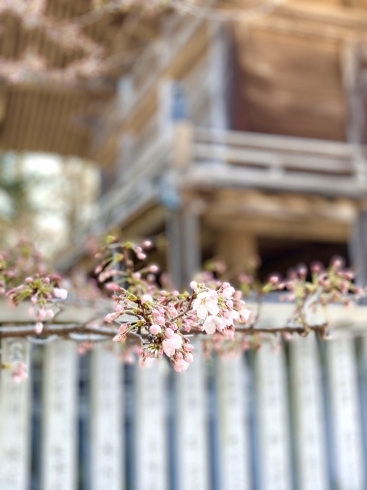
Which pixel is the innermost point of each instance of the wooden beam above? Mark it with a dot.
(290, 229)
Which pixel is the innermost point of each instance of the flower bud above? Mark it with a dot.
(38, 327)
(155, 329)
(60, 293)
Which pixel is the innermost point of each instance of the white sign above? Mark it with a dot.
(107, 431)
(273, 418)
(233, 423)
(151, 424)
(192, 438)
(14, 419)
(60, 429)
(308, 413)
(345, 414)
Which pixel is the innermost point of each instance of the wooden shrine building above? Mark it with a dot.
(242, 138)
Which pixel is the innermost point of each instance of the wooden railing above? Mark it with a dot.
(288, 416)
(212, 159)
(278, 163)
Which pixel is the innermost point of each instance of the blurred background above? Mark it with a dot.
(228, 131)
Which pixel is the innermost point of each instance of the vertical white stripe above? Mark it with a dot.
(59, 459)
(107, 456)
(151, 423)
(346, 417)
(273, 419)
(233, 423)
(14, 419)
(308, 414)
(192, 424)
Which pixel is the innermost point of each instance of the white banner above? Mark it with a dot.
(273, 419)
(60, 404)
(345, 413)
(15, 417)
(151, 427)
(192, 439)
(107, 430)
(308, 414)
(233, 423)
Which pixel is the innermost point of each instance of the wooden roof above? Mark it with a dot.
(290, 64)
(51, 117)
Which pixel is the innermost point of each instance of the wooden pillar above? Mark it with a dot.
(356, 121)
(126, 154)
(233, 423)
(218, 76)
(182, 223)
(356, 118)
(59, 438)
(238, 250)
(192, 425)
(184, 256)
(310, 440)
(151, 427)
(358, 248)
(345, 414)
(125, 94)
(15, 418)
(273, 419)
(107, 428)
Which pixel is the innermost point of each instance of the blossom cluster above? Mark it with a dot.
(152, 322)
(164, 321)
(42, 293)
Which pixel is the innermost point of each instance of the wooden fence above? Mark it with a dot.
(276, 419)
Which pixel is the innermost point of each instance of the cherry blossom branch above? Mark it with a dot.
(154, 322)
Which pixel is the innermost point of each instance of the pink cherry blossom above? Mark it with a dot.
(227, 290)
(172, 344)
(213, 323)
(180, 365)
(168, 347)
(206, 302)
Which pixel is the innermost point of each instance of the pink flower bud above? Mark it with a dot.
(193, 285)
(123, 328)
(60, 293)
(49, 313)
(119, 308)
(38, 327)
(110, 317)
(180, 366)
(145, 298)
(189, 357)
(153, 269)
(155, 329)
